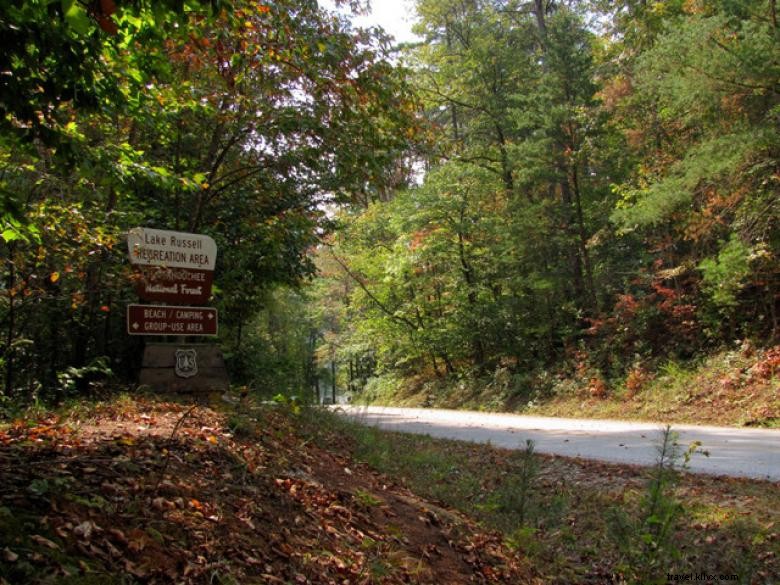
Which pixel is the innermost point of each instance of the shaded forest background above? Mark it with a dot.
(537, 191)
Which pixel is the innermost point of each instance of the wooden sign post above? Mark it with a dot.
(176, 268)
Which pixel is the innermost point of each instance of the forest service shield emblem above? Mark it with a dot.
(186, 363)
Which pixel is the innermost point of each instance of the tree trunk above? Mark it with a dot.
(10, 331)
(575, 259)
(435, 365)
(447, 363)
(239, 331)
(478, 348)
(107, 330)
(506, 167)
(333, 378)
(453, 110)
(773, 311)
(539, 12)
(583, 242)
(211, 159)
(55, 339)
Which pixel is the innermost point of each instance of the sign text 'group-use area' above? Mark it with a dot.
(168, 320)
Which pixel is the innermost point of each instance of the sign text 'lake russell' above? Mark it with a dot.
(152, 247)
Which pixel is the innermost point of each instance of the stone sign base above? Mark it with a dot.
(192, 367)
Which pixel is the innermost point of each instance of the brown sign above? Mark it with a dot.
(162, 320)
(191, 368)
(179, 286)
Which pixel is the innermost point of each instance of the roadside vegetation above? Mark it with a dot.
(586, 522)
(147, 490)
(551, 206)
(142, 490)
(595, 233)
(546, 206)
(737, 387)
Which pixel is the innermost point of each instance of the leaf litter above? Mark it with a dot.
(149, 491)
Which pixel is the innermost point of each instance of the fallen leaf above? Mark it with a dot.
(135, 570)
(84, 530)
(112, 550)
(137, 541)
(118, 535)
(38, 539)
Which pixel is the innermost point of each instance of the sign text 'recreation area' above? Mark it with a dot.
(152, 247)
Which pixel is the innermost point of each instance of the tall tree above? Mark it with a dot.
(243, 125)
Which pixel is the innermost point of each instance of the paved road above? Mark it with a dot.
(736, 452)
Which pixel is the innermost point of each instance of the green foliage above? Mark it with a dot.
(520, 487)
(647, 542)
(196, 117)
(79, 380)
(275, 352)
(64, 53)
(382, 389)
(575, 202)
(725, 276)
(291, 402)
(14, 230)
(565, 186)
(706, 164)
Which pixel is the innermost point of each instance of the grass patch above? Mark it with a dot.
(555, 510)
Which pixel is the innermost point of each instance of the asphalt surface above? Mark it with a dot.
(753, 453)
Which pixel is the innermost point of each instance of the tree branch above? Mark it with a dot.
(380, 304)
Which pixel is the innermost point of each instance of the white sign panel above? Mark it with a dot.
(150, 247)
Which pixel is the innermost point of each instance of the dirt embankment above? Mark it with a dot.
(159, 492)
